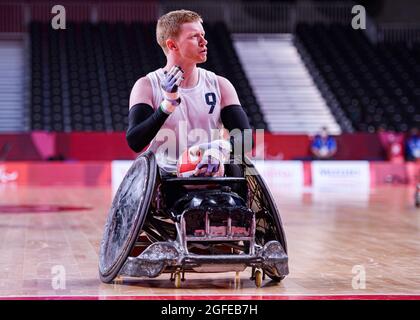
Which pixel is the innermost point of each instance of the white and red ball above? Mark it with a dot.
(187, 162)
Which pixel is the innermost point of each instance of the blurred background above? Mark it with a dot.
(321, 89)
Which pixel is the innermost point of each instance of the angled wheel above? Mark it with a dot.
(274, 277)
(258, 278)
(127, 215)
(178, 280)
(268, 221)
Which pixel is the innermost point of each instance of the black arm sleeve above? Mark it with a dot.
(143, 125)
(234, 117)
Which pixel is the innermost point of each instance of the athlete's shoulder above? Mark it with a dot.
(141, 92)
(228, 92)
(145, 80)
(224, 82)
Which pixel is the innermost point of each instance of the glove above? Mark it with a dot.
(214, 154)
(169, 85)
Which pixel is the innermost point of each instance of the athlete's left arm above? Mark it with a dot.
(232, 114)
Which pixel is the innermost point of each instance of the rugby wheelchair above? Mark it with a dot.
(166, 224)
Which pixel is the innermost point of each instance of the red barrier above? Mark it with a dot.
(359, 146)
(355, 146)
(93, 146)
(286, 147)
(19, 147)
(99, 173)
(103, 146)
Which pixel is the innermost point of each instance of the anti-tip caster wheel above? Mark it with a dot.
(178, 280)
(237, 280)
(258, 278)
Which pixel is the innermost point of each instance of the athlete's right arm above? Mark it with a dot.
(143, 121)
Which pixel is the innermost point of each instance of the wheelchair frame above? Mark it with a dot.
(139, 210)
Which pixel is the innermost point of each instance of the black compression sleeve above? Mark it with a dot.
(143, 125)
(234, 117)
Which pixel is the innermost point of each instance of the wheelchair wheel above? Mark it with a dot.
(274, 277)
(127, 215)
(268, 221)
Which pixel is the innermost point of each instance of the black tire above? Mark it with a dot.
(274, 277)
(268, 204)
(127, 215)
(269, 224)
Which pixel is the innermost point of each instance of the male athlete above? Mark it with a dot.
(183, 104)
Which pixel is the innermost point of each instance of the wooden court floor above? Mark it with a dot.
(341, 242)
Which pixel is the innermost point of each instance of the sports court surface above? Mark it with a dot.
(342, 244)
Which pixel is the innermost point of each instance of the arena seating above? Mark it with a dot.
(377, 87)
(82, 78)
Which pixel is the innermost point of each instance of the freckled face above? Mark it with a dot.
(191, 42)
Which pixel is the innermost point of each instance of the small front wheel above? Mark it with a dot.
(177, 280)
(258, 278)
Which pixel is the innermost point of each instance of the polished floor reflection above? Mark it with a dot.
(341, 242)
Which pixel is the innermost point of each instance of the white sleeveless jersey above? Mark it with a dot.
(195, 120)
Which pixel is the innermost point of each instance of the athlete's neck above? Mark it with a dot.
(190, 74)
